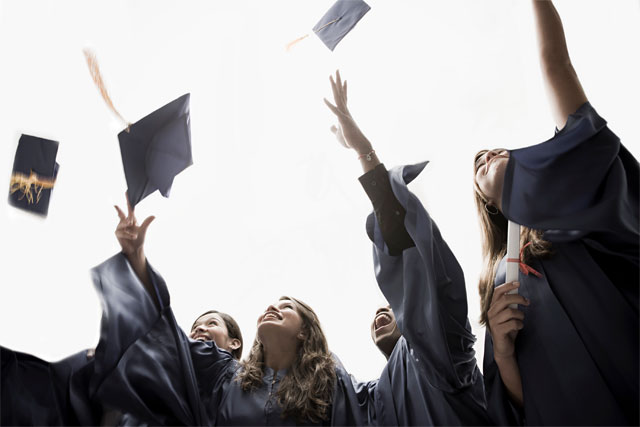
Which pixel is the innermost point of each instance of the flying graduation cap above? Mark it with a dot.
(337, 22)
(34, 174)
(154, 149)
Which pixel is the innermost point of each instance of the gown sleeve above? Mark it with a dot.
(387, 209)
(582, 181)
(37, 392)
(144, 363)
(425, 287)
(352, 401)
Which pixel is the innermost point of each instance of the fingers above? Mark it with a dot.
(344, 91)
(334, 109)
(338, 92)
(121, 214)
(126, 230)
(334, 89)
(145, 225)
(506, 300)
(511, 326)
(342, 117)
(506, 316)
(500, 310)
(501, 290)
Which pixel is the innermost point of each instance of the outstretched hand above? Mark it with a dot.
(347, 132)
(131, 235)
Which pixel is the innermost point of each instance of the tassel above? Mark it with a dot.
(296, 41)
(94, 69)
(23, 183)
(299, 39)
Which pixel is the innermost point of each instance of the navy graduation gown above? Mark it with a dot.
(148, 367)
(431, 377)
(578, 350)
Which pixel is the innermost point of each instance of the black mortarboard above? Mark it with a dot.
(156, 148)
(34, 174)
(339, 20)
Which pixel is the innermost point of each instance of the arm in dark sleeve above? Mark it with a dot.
(389, 212)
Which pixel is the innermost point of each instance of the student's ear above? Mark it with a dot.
(234, 344)
(302, 336)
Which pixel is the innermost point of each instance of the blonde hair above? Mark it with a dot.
(306, 391)
(494, 244)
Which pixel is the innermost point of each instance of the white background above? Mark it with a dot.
(272, 205)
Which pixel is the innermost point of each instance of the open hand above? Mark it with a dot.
(347, 132)
(131, 235)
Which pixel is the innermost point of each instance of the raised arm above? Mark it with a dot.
(348, 133)
(131, 238)
(375, 181)
(561, 81)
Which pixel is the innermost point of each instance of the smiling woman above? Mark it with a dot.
(290, 339)
(219, 328)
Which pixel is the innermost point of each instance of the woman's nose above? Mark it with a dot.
(272, 308)
(490, 154)
(200, 328)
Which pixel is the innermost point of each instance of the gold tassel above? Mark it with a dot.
(94, 69)
(296, 41)
(22, 182)
(299, 39)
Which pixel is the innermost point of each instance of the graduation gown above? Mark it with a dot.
(146, 366)
(578, 350)
(431, 377)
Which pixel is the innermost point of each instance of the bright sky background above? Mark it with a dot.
(272, 205)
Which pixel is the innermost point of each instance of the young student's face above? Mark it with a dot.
(281, 318)
(211, 327)
(384, 330)
(490, 169)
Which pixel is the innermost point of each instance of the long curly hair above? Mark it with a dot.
(494, 243)
(306, 391)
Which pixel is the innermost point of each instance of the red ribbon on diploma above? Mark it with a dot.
(524, 268)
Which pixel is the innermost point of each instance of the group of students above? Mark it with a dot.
(563, 350)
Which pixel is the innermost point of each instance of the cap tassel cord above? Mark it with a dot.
(94, 69)
(299, 39)
(524, 268)
(23, 183)
(296, 41)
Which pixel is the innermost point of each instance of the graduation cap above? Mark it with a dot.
(156, 148)
(337, 22)
(34, 174)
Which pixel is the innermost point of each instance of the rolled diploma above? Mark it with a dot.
(513, 253)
